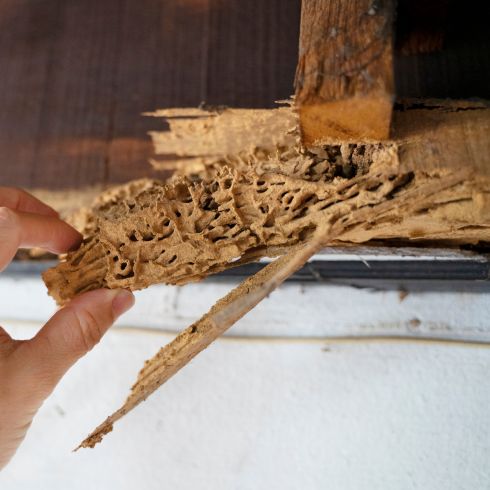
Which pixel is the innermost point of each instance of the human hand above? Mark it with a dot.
(30, 369)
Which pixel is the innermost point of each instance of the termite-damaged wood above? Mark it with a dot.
(194, 339)
(178, 353)
(239, 208)
(210, 133)
(344, 79)
(281, 199)
(174, 356)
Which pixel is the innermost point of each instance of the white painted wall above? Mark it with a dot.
(299, 395)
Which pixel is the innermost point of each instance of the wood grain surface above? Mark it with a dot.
(76, 75)
(344, 80)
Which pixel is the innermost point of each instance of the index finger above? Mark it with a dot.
(33, 230)
(20, 200)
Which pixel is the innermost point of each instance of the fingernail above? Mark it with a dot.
(76, 244)
(122, 302)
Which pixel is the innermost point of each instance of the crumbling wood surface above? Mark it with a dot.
(284, 200)
(199, 137)
(378, 208)
(238, 209)
(194, 339)
(344, 79)
(178, 353)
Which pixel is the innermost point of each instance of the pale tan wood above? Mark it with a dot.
(410, 190)
(344, 79)
(443, 134)
(242, 208)
(194, 339)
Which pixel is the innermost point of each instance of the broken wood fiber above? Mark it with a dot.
(178, 353)
(344, 78)
(280, 200)
(241, 209)
(194, 339)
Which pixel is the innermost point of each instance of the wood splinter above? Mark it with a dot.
(194, 339)
(227, 311)
(430, 183)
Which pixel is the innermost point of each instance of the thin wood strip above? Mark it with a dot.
(194, 339)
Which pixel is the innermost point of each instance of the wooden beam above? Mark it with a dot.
(344, 79)
(443, 135)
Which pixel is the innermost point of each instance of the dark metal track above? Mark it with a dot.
(465, 274)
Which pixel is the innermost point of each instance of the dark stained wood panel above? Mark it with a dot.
(79, 94)
(26, 43)
(453, 55)
(75, 77)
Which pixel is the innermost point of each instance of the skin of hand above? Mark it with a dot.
(30, 369)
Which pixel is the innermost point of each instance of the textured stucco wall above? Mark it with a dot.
(277, 404)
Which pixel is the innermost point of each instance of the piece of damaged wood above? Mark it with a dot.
(286, 200)
(228, 310)
(206, 134)
(194, 339)
(240, 209)
(183, 231)
(344, 78)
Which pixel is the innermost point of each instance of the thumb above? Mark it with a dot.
(72, 332)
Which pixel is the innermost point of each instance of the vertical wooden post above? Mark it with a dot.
(344, 79)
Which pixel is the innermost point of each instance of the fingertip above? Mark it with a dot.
(102, 296)
(29, 230)
(8, 220)
(51, 211)
(119, 300)
(76, 241)
(122, 302)
(20, 200)
(67, 238)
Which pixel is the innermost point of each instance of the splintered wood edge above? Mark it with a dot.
(208, 328)
(354, 119)
(190, 342)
